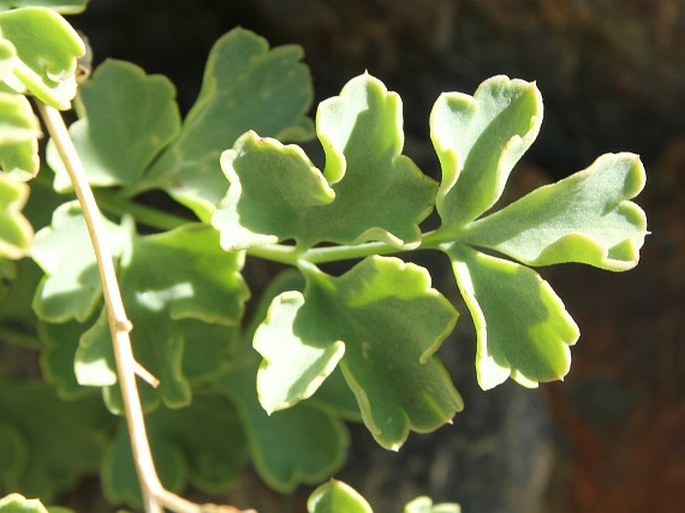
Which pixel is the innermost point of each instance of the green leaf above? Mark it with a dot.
(292, 369)
(373, 192)
(8, 271)
(584, 218)
(171, 283)
(336, 397)
(61, 6)
(317, 440)
(16, 503)
(19, 282)
(60, 342)
(522, 327)
(478, 140)
(16, 232)
(47, 48)
(7, 57)
(168, 281)
(389, 323)
(126, 119)
(304, 444)
(71, 288)
(14, 451)
(60, 441)
(273, 189)
(19, 132)
(246, 86)
(337, 497)
(202, 445)
(425, 505)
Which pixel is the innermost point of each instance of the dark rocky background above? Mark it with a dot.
(612, 74)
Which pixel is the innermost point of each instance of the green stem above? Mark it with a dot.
(19, 338)
(115, 204)
(143, 214)
(336, 253)
(291, 255)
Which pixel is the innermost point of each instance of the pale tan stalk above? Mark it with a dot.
(155, 497)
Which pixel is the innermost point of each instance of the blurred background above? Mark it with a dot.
(612, 75)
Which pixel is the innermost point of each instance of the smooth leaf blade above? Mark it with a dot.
(7, 56)
(60, 343)
(389, 322)
(126, 119)
(246, 86)
(380, 193)
(171, 282)
(205, 285)
(584, 218)
(48, 467)
(307, 365)
(392, 322)
(16, 232)
(317, 441)
(371, 190)
(47, 48)
(71, 287)
(202, 445)
(523, 329)
(19, 132)
(478, 140)
(272, 187)
(337, 497)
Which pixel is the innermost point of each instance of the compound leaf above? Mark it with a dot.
(16, 232)
(19, 132)
(337, 497)
(389, 323)
(380, 193)
(522, 327)
(202, 445)
(47, 49)
(126, 119)
(63, 441)
(372, 192)
(478, 140)
(584, 218)
(246, 86)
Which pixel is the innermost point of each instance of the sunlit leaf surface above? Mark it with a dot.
(368, 190)
(47, 48)
(246, 86)
(381, 322)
